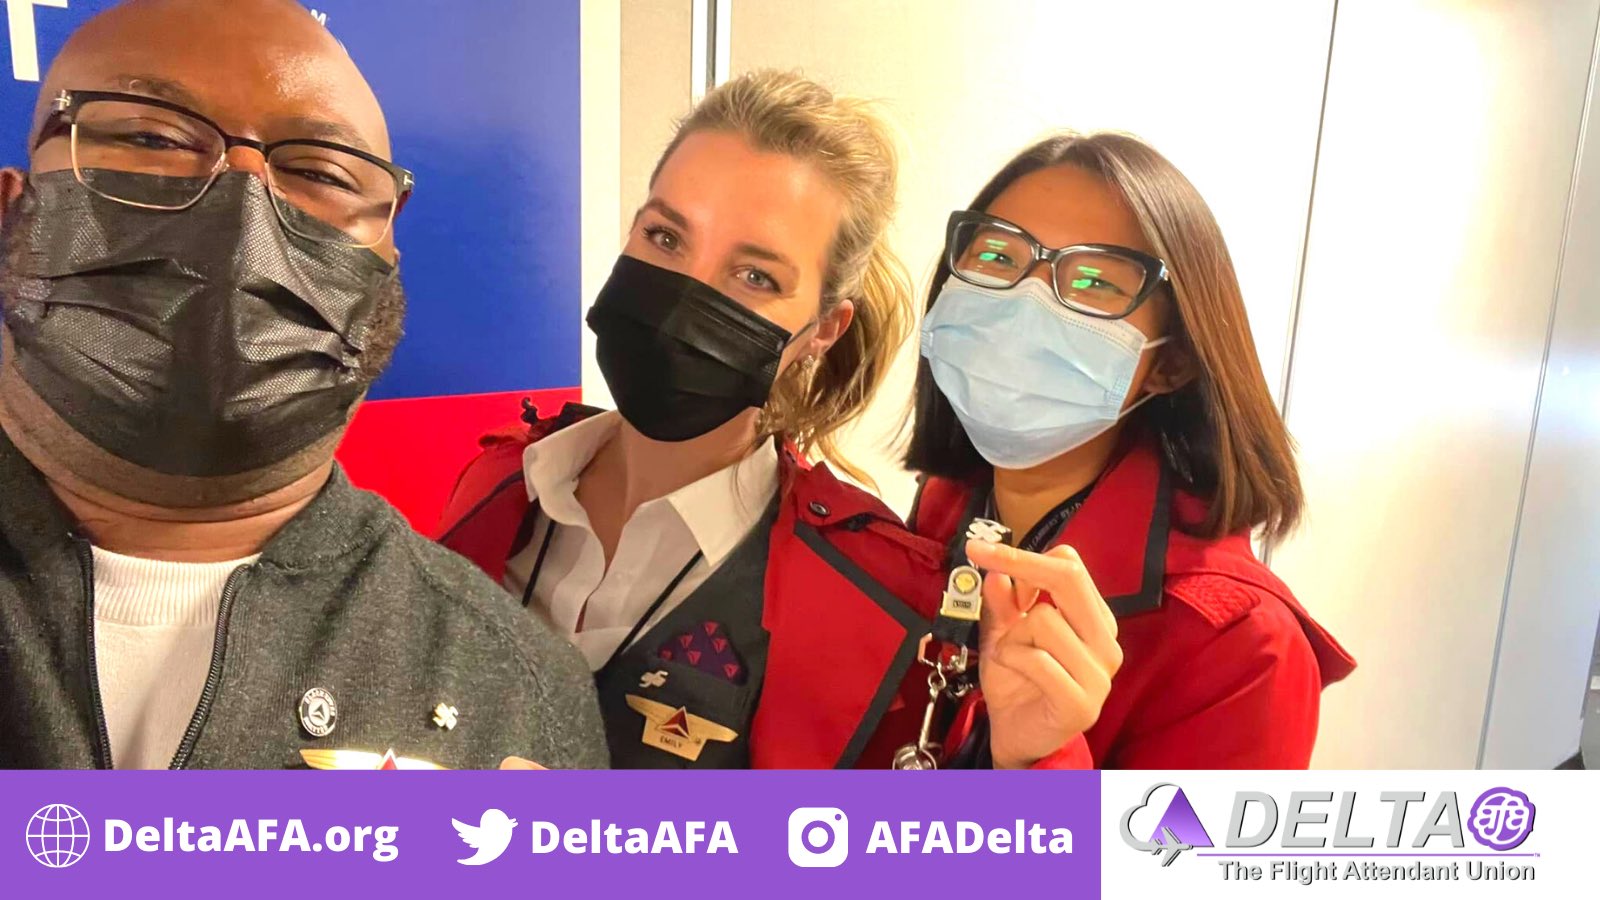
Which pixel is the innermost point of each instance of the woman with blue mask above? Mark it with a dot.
(1089, 380)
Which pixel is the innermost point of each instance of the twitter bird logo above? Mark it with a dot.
(489, 837)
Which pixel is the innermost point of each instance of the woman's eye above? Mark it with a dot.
(663, 238)
(758, 279)
(987, 259)
(1091, 283)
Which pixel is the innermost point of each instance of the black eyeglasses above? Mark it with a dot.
(1100, 280)
(113, 133)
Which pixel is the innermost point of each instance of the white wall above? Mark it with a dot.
(647, 88)
(1441, 194)
(600, 123)
(1552, 604)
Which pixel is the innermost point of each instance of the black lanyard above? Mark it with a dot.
(538, 562)
(633, 633)
(1045, 531)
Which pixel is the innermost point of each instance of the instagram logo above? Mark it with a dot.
(819, 837)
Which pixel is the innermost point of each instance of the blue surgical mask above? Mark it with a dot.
(1029, 378)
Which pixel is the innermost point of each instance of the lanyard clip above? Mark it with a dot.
(923, 753)
(944, 666)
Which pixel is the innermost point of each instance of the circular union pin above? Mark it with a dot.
(965, 580)
(318, 712)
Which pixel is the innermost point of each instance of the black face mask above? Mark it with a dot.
(197, 343)
(679, 357)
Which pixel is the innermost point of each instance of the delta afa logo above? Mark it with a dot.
(1411, 825)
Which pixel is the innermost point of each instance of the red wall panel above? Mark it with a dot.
(411, 450)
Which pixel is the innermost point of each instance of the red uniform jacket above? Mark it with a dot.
(1222, 668)
(849, 594)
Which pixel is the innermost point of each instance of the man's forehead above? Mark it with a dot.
(279, 73)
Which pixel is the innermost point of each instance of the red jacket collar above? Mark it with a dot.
(1121, 531)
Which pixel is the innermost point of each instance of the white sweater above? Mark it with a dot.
(154, 626)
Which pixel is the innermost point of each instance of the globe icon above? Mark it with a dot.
(58, 835)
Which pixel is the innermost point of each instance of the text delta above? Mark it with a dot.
(1442, 819)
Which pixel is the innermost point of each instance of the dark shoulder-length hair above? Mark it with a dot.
(1221, 431)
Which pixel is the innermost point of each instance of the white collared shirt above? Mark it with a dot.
(711, 516)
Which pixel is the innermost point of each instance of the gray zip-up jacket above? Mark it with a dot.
(346, 598)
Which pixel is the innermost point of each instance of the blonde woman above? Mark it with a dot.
(739, 607)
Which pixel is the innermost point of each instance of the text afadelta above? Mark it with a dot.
(968, 837)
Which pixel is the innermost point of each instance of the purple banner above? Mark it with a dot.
(596, 834)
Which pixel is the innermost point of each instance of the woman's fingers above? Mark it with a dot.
(1085, 610)
(1047, 630)
(1066, 663)
(1027, 593)
(1042, 569)
(1001, 607)
(1061, 574)
(1043, 670)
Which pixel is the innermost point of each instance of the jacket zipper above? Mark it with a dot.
(86, 565)
(208, 694)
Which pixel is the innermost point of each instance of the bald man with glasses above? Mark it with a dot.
(199, 283)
